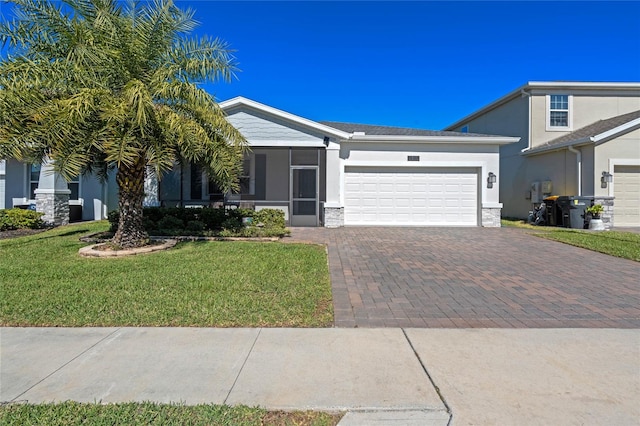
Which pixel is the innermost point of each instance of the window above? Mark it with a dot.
(465, 129)
(34, 178)
(245, 177)
(558, 107)
(74, 187)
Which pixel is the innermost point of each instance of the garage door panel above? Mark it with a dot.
(411, 197)
(627, 196)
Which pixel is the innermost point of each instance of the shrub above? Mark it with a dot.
(212, 218)
(170, 223)
(232, 224)
(269, 218)
(113, 217)
(195, 226)
(20, 219)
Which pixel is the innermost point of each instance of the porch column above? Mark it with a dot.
(333, 208)
(52, 196)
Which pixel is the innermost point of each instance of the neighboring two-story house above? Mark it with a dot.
(576, 138)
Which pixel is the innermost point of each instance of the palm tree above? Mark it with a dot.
(96, 85)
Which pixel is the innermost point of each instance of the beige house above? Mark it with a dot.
(577, 139)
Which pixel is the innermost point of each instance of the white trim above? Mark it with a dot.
(421, 165)
(492, 205)
(613, 132)
(296, 144)
(569, 126)
(242, 101)
(476, 140)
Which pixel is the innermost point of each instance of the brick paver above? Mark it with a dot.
(473, 278)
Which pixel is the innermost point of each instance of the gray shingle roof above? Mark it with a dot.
(593, 129)
(369, 129)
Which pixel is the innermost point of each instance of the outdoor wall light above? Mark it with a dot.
(605, 179)
(326, 141)
(491, 179)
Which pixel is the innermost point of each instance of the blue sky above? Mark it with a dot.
(411, 63)
(415, 64)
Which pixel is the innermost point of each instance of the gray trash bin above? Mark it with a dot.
(573, 210)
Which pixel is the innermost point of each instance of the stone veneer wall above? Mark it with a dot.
(55, 207)
(491, 217)
(333, 217)
(607, 215)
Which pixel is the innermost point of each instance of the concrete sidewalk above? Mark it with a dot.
(379, 376)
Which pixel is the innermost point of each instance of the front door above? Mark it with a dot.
(304, 196)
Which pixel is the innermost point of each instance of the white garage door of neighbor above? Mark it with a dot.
(626, 207)
(410, 196)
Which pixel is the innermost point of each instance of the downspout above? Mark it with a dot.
(578, 165)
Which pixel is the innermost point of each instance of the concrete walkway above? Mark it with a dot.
(379, 376)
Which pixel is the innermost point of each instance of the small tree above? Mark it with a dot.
(95, 85)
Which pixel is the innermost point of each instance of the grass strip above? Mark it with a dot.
(202, 284)
(147, 413)
(625, 245)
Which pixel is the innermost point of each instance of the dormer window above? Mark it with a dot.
(558, 112)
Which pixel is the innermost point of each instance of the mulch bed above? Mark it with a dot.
(15, 233)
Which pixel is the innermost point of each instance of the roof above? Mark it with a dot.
(369, 129)
(547, 85)
(366, 132)
(598, 132)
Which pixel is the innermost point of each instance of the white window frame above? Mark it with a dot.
(569, 112)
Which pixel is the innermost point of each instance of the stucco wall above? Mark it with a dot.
(587, 109)
(485, 158)
(622, 150)
(509, 119)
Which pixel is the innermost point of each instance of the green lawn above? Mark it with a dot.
(73, 413)
(206, 284)
(620, 244)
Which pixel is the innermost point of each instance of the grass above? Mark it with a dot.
(206, 284)
(615, 243)
(73, 413)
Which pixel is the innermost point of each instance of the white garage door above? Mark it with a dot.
(410, 196)
(627, 196)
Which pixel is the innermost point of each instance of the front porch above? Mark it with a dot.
(286, 178)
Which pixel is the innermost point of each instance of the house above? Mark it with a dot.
(333, 174)
(576, 139)
(89, 199)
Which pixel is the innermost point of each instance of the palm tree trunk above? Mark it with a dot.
(130, 181)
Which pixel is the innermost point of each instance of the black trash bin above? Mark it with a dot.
(573, 210)
(553, 215)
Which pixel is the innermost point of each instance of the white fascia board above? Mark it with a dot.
(277, 143)
(624, 128)
(568, 85)
(563, 145)
(241, 101)
(475, 140)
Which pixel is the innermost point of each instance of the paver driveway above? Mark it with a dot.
(473, 277)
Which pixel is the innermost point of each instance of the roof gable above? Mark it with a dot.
(240, 105)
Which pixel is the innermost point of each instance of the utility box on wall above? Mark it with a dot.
(547, 187)
(536, 193)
